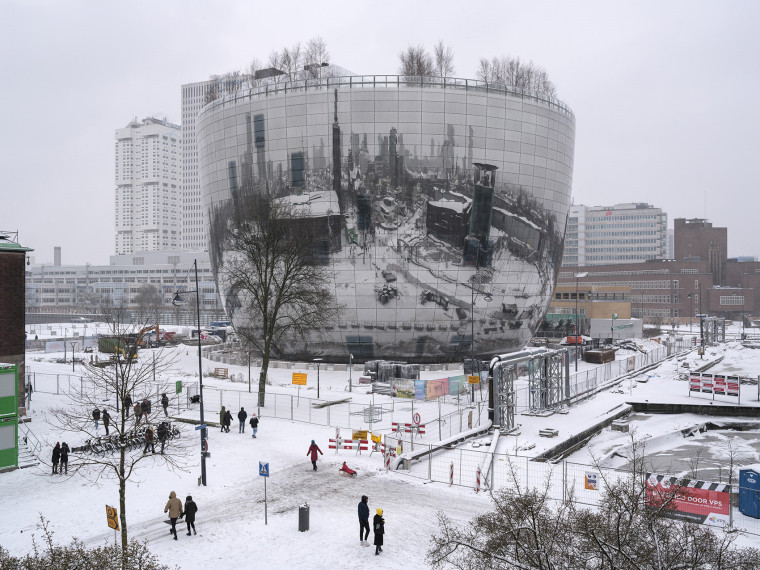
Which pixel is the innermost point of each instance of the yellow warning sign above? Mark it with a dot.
(377, 438)
(474, 379)
(359, 434)
(113, 519)
(299, 378)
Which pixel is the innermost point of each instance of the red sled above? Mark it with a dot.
(346, 470)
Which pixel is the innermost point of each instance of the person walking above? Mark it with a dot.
(378, 524)
(96, 417)
(227, 421)
(190, 509)
(364, 521)
(64, 469)
(29, 391)
(149, 440)
(242, 415)
(174, 508)
(106, 419)
(163, 434)
(138, 413)
(127, 404)
(165, 404)
(56, 456)
(254, 424)
(313, 449)
(145, 408)
(222, 416)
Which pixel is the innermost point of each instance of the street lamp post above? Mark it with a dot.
(577, 276)
(691, 309)
(204, 431)
(317, 360)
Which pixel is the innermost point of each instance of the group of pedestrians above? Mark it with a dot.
(61, 455)
(176, 511)
(97, 416)
(378, 525)
(162, 433)
(225, 421)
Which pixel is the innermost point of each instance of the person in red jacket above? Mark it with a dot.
(313, 448)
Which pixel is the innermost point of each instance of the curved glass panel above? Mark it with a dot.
(442, 207)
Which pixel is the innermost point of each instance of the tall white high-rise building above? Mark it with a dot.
(623, 233)
(194, 235)
(148, 182)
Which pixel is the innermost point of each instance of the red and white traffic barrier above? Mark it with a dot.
(477, 481)
(451, 474)
(388, 461)
(357, 444)
(408, 428)
(391, 450)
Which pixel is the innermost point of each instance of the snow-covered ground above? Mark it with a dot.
(230, 521)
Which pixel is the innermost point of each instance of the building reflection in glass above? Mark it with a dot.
(417, 193)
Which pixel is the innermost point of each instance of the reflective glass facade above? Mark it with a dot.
(443, 204)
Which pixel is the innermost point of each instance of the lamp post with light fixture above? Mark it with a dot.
(177, 301)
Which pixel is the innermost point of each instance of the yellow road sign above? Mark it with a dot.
(299, 378)
(112, 516)
(474, 379)
(359, 434)
(377, 438)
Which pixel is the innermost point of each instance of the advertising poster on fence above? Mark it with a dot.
(436, 388)
(402, 388)
(700, 502)
(457, 385)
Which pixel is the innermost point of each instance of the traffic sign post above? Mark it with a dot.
(264, 472)
(202, 426)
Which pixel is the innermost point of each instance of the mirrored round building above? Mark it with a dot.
(443, 205)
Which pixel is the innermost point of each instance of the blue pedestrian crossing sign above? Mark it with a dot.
(263, 469)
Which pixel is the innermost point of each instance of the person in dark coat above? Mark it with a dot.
(106, 419)
(163, 434)
(149, 440)
(313, 449)
(56, 456)
(190, 509)
(227, 421)
(145, 408)
(254, 424)
(127, 404)
(64, 459)
(96, 417)
(138, 413)
(378, 524)
(222, 416)
(364, 521)
(165, 404)
(242, 415)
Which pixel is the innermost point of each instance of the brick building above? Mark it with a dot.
(12, 306)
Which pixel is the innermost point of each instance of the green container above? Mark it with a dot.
(8, 416)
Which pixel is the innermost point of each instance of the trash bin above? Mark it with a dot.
(303, 517)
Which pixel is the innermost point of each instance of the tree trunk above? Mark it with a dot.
(263, 376)
(123, 511)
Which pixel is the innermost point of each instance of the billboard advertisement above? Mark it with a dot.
(700, 502)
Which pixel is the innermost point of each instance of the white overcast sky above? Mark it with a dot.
(666, 94)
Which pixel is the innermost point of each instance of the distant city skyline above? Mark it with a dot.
(663, 95)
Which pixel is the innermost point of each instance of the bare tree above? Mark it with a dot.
(266, 252)
(253, 67)
(316, 55)
(291, 60)
(526, 530)
(110, 389)
(415, 62)
(514, 73)
(444, 60)
(149, 303)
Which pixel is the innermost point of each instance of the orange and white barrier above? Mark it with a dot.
(408, 428)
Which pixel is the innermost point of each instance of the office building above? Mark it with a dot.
(624, 233)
